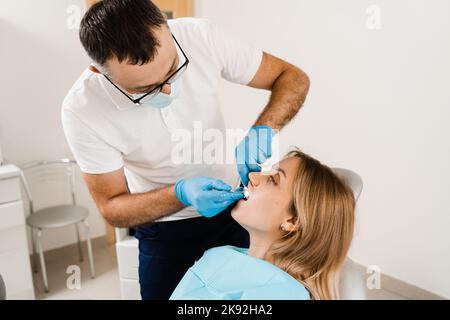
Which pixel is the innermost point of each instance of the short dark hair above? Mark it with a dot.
(121, 29)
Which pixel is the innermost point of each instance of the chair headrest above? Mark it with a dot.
(352, 179)
(2, 289)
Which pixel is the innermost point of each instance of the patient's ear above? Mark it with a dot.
(290, 224)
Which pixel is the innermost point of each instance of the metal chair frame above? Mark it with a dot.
(36, 232)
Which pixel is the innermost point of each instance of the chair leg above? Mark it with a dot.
(33, 244)
(79, 242)
(41, 255)
(89, 245)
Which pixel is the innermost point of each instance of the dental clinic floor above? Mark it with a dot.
(105, 286)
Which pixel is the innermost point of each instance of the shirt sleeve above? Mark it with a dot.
(239, 61)
(92, 154)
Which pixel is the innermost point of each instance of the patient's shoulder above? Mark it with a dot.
(215, 257)
(255, 278)
(225, 250)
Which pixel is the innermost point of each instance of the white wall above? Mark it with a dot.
(379, 104)
(40, 58)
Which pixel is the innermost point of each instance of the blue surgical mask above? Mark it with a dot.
(161, 100)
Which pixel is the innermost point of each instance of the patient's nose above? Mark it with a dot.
(253, 178)
(256, 178)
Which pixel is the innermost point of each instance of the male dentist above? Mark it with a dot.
(150, 77)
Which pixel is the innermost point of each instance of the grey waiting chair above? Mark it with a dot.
(352, 284)
(55, 216)
(2, 289)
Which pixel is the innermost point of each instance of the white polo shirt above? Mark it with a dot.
(106, 131)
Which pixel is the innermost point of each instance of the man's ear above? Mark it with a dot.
(90, 3)
(94, 69)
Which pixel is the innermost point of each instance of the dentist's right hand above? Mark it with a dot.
(207, 195)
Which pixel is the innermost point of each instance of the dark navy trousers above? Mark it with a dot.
(168, 249)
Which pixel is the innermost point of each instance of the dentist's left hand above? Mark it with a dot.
(207, 195)
(255, 149)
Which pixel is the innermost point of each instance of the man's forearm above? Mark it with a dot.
(288, 95)
(128, 210)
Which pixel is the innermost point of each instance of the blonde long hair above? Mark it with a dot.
(324, 208)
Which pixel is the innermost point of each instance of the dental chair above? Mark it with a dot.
(352, 282)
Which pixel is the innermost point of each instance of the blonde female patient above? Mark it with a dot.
(300, 221)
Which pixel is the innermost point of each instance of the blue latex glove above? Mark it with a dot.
(207, 195)
(255, 149)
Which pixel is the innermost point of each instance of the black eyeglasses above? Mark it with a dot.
(171, 79)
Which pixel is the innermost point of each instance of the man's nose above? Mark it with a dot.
(166, 89)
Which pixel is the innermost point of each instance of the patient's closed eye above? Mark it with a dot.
(273, 180)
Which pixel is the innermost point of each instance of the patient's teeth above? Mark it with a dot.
(246, 193)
